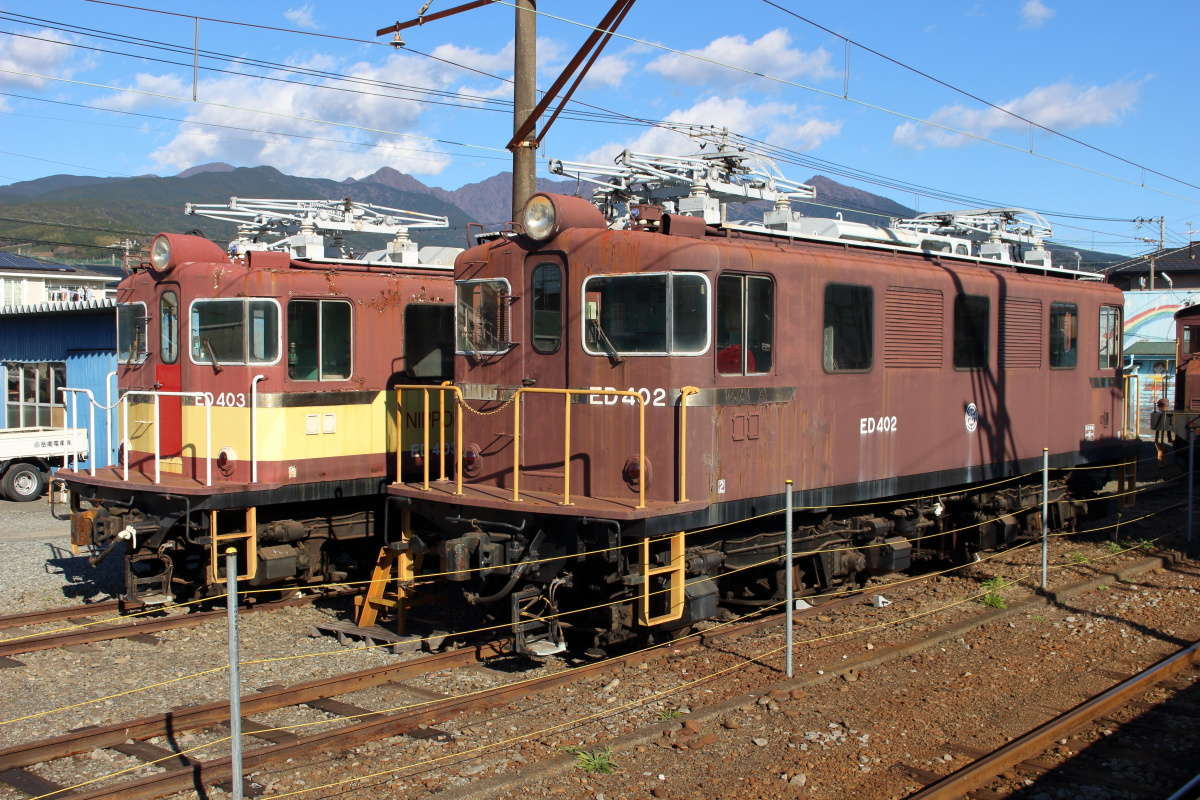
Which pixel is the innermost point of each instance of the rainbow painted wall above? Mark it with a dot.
(1150, 314)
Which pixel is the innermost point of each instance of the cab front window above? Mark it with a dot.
(234, 331)
(131, 333)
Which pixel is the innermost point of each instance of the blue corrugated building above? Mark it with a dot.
(46, 346)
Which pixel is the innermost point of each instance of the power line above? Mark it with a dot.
(979, 99)
(863, 103)
(49, 224)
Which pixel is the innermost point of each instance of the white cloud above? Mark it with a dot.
(781, 123)
(1061, 105)
(49, 54)
(607, 71)
(1035, 14)
(771, 53)
(146, 88)
(285, 106)
(301, 16)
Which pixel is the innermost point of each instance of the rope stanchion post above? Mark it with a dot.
(791, 590)
(1045, 512)
(235, 689)
(1191, 479)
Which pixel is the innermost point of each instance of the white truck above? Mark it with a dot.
(28, 454)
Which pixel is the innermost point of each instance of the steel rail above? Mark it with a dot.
(1043, 737)
(189, 718)
(100, 633)
(58, 614)
(366, 728)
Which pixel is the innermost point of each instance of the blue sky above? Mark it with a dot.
(1119, 78)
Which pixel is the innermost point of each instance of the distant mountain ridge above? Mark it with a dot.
(69, 204)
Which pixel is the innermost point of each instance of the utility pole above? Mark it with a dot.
(524, 164)
(1162, 238)
(526, 108)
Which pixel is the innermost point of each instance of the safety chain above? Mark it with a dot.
(461, 401)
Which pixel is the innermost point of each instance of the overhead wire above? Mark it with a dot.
(979, 99)
(863, 103)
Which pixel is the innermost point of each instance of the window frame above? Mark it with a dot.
(987, 333)
(1117, 331)
(145, 351)
(507, 311)
(161, 328)
(39, 407)
(245, 301)
(320, 301)
(669, 306)
(744, 279)
(533, 310)
(1058, 304)
(821, 357)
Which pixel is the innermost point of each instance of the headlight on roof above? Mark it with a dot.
(160, 253)
(540, 217)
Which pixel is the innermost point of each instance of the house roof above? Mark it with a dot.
(19, 263)
(58, 307)
(1151, 349)
(1167, 259)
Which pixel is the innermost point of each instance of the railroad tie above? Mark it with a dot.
(152, 753)
(258, 730)
(8, 663)
(921, 776)
(33, 785)
(342, 709)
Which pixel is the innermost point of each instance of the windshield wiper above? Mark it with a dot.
(599, 336)
(212, 356)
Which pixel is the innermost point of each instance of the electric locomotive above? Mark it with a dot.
(638, 376)
(254, 409)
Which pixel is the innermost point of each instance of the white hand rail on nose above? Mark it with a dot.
(91, 427)
(254, 426)
(201, 399)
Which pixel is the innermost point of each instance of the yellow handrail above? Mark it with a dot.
(684, 394)
(425, 389)
(567, 394)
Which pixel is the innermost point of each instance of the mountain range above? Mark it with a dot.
(70, 215)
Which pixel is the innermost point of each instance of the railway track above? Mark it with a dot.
(1147, 720)
(137, 628)
(362, 725)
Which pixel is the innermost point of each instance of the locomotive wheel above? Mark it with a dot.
(24, 483)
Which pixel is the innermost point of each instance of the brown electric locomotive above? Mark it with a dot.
(637, 380)
(254, 409)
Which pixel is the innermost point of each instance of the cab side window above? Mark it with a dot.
(971, 324)
(1064, 335)
(319, 340)
(848, 341)
(745, 324)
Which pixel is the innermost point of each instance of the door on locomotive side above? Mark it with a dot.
(167, 374)
(544, 358)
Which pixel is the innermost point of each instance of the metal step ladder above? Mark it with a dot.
(218, 540)
(673, 570)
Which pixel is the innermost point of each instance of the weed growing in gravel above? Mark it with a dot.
(1077, 558)
(1144, 544)
(668, 714)
(593, 761)
(1102, 588)
(1114, 547)
(1037, 618)
(993, 599)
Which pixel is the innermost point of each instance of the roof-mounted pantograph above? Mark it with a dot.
(702, 184)
(313, 230)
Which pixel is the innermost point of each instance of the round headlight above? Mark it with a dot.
(540, 217)
(160, 253)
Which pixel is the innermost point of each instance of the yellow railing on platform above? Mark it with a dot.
(425, 389)
(516, 402)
